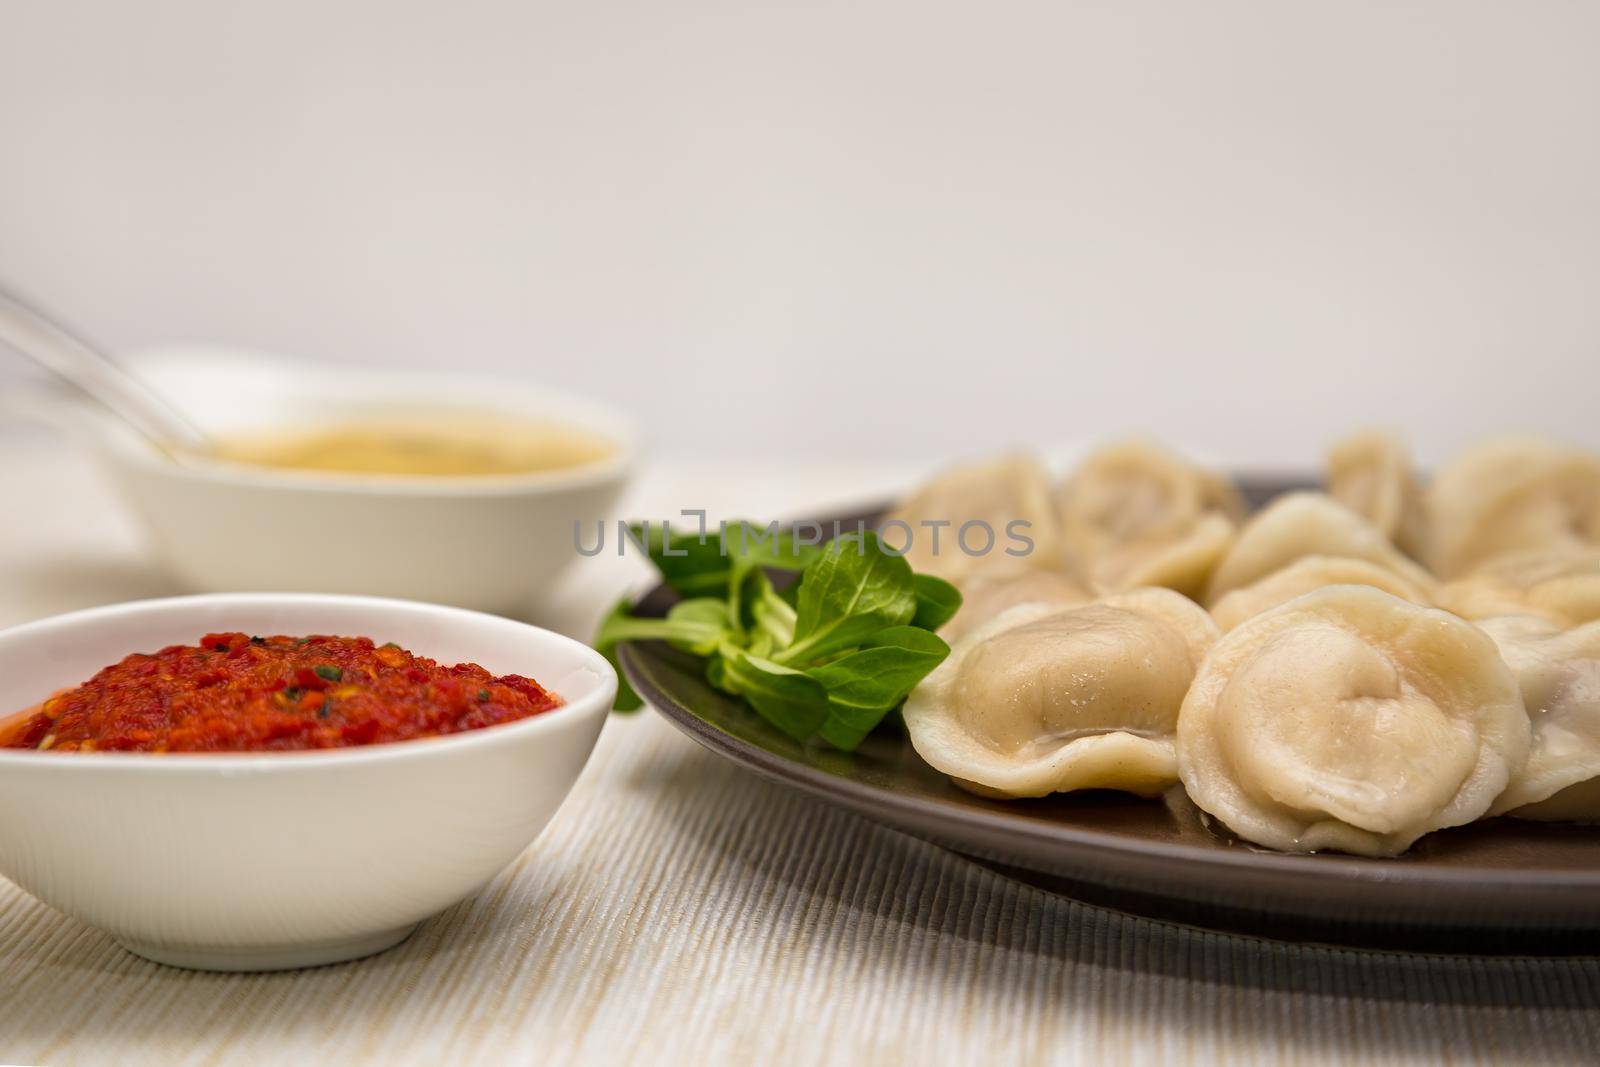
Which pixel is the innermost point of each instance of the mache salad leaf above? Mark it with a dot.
(829, 657)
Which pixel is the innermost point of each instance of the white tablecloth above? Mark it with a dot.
(680, 910)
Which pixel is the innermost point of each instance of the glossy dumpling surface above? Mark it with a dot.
(1371, 474)
(1558, 671)
(1297, 525)
(1511, 495)
(1137, 514)
(1305, 575)
(1561, 585)
(998, 492)
(984, 598)
(1042, 700)
(1350, 719)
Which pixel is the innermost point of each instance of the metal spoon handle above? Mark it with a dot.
(97, 375)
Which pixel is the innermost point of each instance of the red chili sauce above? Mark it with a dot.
(236, 693)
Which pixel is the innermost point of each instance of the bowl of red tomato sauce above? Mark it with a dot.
(266, 781)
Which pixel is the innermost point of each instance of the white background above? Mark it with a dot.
(906, 227)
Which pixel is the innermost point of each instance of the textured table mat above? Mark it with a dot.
(680, 910)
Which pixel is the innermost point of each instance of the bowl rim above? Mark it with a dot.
(507, 395)
(596, 704)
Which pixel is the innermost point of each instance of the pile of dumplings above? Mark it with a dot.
(1341, 670)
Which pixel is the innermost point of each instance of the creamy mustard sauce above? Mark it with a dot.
(445, 446)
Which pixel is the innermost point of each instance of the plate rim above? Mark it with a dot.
(1319, 882)
(1362, 870)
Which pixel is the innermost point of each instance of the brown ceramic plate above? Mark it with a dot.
(1502, 886)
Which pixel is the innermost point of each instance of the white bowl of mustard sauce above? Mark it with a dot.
(335, 479)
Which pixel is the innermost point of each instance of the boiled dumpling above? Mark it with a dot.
(1562, 585)
(1575, 803)
(1350, 719)
(1559, 674)
(1371, 474)
(984, 598)
(998, 493)
(1307, 574)
(1511, 495)
(1135, 514)
(1305, 524)
(1044, 699)
(1182, 563)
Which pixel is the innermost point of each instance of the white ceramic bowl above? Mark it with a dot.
(487, 543)
(275, 860)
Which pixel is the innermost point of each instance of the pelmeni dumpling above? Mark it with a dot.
(1045, 699)
(1136, 514)
(1296, 525)
(985, 598)
(997, 493)
(1305, 575)
(1350, 719)
(1559, 673)
(1560, 584)
(1511, 495)
(1575, 803)
(1371, 474)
